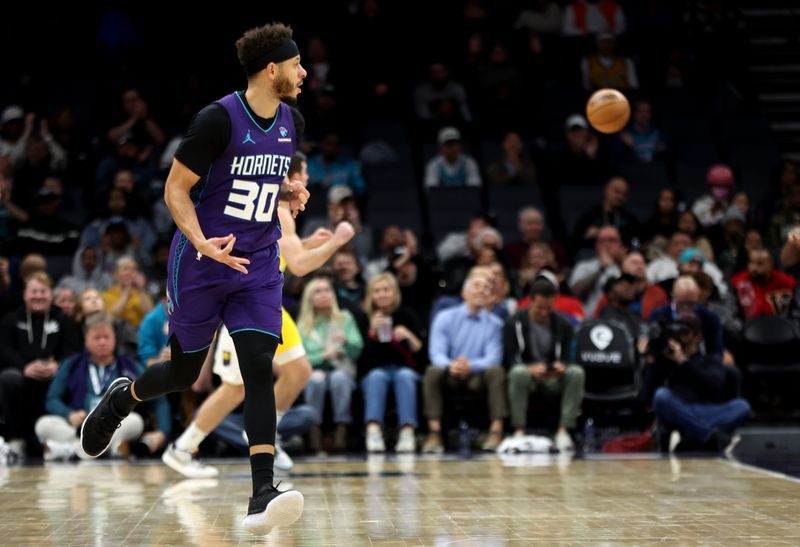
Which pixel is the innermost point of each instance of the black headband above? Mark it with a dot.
(285, 51)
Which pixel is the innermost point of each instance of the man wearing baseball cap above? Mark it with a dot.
(692, 260)
(452, 167)
(12, 133)
(620, 290)
(578, 160)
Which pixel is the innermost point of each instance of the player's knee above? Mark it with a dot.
(183, 383)
(256, 351)
(255, 373)
(182, 378)
(184, 368)
(233, 392)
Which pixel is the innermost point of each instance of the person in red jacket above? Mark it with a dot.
(761, 289)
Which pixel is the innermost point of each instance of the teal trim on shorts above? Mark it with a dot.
(256, 330)
(176, 265)
(196, 350)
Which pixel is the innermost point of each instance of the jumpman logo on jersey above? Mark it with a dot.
(248, 138)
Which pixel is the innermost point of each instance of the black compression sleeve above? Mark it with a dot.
(205, 140)
(178, 374)
(255, 351)
(209, 133)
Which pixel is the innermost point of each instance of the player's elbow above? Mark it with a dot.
(296, 259)
(168, 194)
(300, 270)
(172, 192)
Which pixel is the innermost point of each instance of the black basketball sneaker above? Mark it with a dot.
(271, 508)
(102, 422)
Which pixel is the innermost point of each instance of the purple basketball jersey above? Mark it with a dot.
(239, 195)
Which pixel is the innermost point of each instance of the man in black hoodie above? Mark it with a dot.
(692, 397)
(33, 339)
(537, 344)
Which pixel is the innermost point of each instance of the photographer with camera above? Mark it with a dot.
(690, 391)
(686, 299)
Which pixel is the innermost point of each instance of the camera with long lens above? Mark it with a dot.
(662, 333)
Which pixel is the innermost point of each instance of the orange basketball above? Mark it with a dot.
(608, 110)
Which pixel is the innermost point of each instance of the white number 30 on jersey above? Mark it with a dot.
(244, 206)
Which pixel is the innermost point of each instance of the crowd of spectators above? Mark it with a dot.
(438, 318)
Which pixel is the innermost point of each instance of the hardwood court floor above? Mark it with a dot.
(411, 501)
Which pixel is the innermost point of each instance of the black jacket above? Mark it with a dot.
(701, 379)
(22, 341)
(517, 340)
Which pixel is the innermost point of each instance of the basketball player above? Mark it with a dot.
(222, 192)
(290, 355)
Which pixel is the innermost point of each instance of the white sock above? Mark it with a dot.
(190, 439)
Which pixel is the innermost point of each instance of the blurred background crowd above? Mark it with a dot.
(506, 246)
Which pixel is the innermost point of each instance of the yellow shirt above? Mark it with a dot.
(132, 312)
(614, 76)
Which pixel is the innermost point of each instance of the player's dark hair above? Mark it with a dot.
(296, 164)
(259, 41)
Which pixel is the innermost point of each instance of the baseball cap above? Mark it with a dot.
(611, 281)
(719, 175)
(691, 254)
(338, 194)
(576, 120)
(12, 112)
(448, 134)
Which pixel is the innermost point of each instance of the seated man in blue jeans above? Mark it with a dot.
(691, 398)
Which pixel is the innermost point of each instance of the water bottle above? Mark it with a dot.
(464, 442)
(588, 436)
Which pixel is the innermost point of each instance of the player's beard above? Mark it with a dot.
(284, 88)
